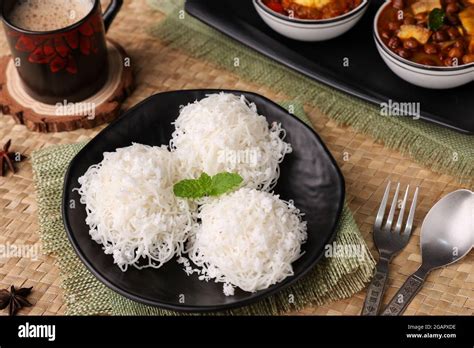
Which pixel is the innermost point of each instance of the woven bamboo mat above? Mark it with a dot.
(366, 166)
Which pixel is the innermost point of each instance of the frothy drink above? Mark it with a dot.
(46, 15)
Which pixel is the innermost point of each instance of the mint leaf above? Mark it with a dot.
(189, 189)
(436, 19)
(224, 182)
(206, 182)
(207, 186)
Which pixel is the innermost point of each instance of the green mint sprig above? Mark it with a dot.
(206, 185)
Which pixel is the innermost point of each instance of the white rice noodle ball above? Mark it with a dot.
(224, 133)
(131, 209)
(247, 239)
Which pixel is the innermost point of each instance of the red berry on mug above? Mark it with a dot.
(72, 39)
(57, 64)
(38, 56)
(25, 44)
(48, 48)
(61, 47)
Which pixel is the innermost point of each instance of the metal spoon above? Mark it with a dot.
(447, 235)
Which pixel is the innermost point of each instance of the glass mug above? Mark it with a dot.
(65, 64)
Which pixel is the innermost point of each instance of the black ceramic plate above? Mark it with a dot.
(367, 76)
(309, 176)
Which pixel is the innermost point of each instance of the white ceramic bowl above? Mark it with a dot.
(434, 77)
(310, 30)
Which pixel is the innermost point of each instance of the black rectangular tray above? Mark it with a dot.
(367, 76)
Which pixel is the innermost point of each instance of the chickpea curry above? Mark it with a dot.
(430, 32)
(312, 9)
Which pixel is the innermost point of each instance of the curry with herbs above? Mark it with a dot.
(430, 32)
(312, 9)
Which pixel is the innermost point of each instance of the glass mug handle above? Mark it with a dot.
(111, 12)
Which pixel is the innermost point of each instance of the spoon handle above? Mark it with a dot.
(405, 294)
(376, 289)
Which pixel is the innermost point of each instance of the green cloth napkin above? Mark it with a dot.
(336, 277)
(438, 148)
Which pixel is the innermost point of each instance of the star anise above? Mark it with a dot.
(15, 299)
(7, 158)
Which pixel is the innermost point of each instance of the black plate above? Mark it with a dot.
(367, 76)
(309, 176)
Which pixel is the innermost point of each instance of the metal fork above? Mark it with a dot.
(388, 243)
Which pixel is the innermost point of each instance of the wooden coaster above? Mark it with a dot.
(101, 108)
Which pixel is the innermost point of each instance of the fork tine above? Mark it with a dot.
(398, 226)
(411, 215)
(383, 204)
(388, 225)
